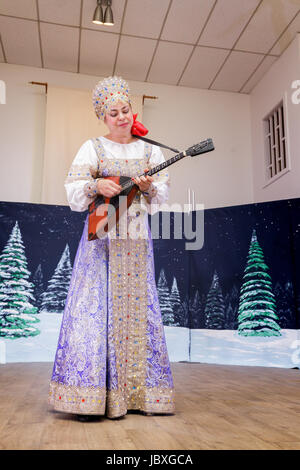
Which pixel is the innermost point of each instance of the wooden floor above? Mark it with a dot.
(218, 407)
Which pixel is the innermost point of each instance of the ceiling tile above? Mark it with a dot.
(185, 24)
(236, 70)
(270, 30)
(20, 41)
(258, 74)
(19, 8)
(227, 22)
(287, 36)
(98, 52)
(203, 66)
(88, 13)
(169, 62)
(60, 47)
(269, 21)
(63, 12)
(134, 57)
(145, 17)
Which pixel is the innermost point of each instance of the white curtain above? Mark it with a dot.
(70, 121)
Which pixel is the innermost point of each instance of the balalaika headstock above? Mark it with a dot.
(203, 147)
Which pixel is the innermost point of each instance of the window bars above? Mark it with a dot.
(275, 142)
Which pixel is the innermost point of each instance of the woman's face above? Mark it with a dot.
(119, 118)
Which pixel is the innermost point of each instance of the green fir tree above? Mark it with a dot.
(231, 301)
(285, 307)
(175, 301)
(215, 307)
(257, 307)
(54, 299)
(184, 313)
(195, 310)
(38, 286)
(164, 299)
(16, 292)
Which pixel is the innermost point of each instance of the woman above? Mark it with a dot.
(111, 355)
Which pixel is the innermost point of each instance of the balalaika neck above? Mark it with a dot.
(169, 162)
(158, 168)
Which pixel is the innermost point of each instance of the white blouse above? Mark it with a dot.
(87, 157)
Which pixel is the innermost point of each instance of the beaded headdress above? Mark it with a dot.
(109, 91)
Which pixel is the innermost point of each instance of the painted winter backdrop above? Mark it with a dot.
(235, 301)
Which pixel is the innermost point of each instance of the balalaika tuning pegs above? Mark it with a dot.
(203, 147)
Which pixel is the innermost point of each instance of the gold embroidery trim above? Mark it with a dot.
(79, 400)
(98, 401)
(79, 172)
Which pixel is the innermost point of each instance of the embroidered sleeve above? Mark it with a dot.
(90, 188)
(80, 182)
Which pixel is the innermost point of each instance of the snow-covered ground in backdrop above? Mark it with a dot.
(207, 346)
(227, 347)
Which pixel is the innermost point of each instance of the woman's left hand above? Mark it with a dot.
(143, 182)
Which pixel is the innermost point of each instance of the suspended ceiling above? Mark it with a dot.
(211, 44)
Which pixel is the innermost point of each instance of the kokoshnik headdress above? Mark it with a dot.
(107, 92)
(110, 91)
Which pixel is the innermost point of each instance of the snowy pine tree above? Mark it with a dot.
(16, 292)
(184, 313)
(53, 300)
(285, 303)
(175, 301)
(231, 308)
(229, 317)
(195, 310)
(164, 299)
(215, 308)
(257, 308)
(38, 286)
(289, 316)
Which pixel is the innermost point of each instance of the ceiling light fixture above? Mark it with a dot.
(106, 19)
(108, 16)
(98, 14)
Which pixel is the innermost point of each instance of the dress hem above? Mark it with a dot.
(110, 403)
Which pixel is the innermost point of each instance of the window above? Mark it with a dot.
(275, 143)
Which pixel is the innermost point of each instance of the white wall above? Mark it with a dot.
(275, 86)
(180, 117)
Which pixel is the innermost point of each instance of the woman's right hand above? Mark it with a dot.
(108, 188)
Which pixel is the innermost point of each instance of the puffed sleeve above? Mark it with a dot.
(79, 183)
(159, 189)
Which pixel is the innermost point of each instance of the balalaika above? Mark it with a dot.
(103, 209)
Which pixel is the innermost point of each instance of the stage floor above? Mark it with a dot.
(217, 407)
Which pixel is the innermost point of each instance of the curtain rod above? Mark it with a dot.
(46, 86)
(40, 83)
(149, 97)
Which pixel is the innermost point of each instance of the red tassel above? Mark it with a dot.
(138, 128)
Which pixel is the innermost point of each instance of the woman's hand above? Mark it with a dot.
(108, 188)
(143, 182)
